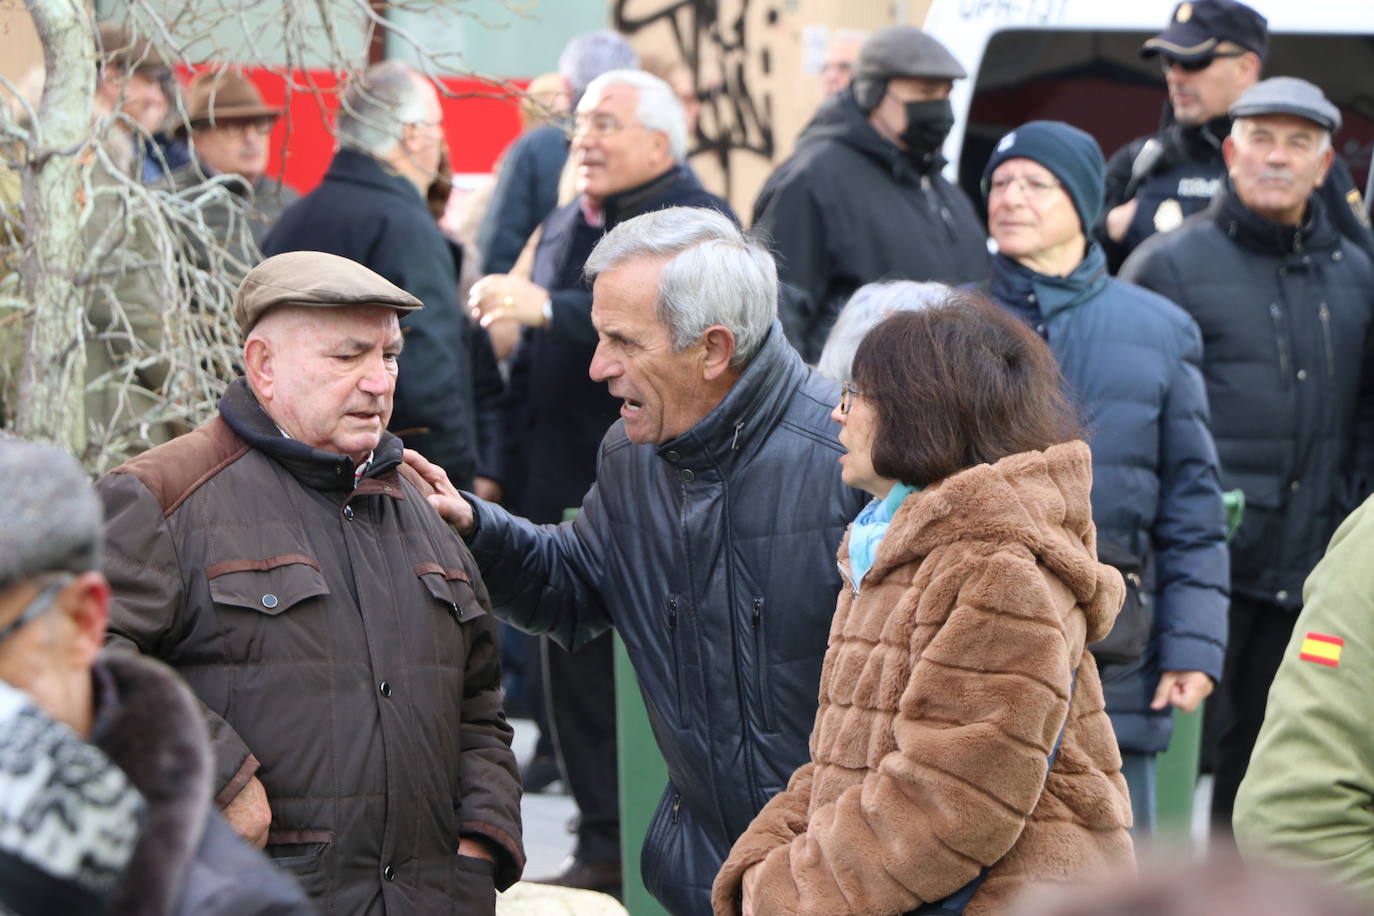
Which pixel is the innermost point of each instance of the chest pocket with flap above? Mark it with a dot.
(452, 589)
(271, 586)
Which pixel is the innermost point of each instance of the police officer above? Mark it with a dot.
(1211, 51)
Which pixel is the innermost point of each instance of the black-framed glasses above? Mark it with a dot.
(1167, 63)
(847, 392)
(38, 606)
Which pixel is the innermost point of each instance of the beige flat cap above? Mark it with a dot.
(315, 280)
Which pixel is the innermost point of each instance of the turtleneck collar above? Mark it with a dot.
(623, 205)
(739, 424)
(316, 468)
(1277, 240)
(1016, 284)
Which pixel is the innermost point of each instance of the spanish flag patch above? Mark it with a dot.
(1322, 649)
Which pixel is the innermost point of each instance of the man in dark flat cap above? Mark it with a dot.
(861, 198)
(285, 562)
(1285, 305)
(1211, 51)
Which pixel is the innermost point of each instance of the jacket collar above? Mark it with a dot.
(354, 167)
(1250, 230)
(1014, 282)
(316, 468)
(626, 204)
(740, 423)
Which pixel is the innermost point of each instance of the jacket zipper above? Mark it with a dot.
(761, 664)
(1281, 339)
(677, 806)
(848, 579)
(677, 658)
(1324, 314)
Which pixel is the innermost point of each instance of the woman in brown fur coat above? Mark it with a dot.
(956, 674)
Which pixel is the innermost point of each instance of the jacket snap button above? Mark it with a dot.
(1281, 594)
(672, 455)
(687, 475)
(348, 512)
(385, 688)
(1295, 485)
(1302, 375)
(269, 601)
(389, 873)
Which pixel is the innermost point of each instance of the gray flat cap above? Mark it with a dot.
(315, 280)
(904, 50)
(52, 519)
(1288, 95)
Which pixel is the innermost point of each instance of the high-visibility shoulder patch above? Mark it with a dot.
(1322, 649)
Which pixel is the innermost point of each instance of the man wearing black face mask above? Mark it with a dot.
(861, 198)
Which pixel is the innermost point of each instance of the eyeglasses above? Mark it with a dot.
(1030, 187)
(597, 125)
(847, 392)
(1167, 63)
(38, 606)
(240, 126)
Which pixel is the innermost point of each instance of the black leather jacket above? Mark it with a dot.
(713, 555)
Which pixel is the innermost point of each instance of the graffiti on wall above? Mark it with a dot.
(722, 45)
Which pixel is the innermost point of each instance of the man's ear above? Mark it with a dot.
(87, 605)
(1325, 169)
(259, 367)
(718, 348)
(1228, 152)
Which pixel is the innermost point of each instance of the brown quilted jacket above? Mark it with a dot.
(946, 682)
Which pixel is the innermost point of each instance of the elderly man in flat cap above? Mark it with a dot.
(104, 758)
(1285, 304)
(284, 560)
(1210, 52)
(229, 126)
(862, 198)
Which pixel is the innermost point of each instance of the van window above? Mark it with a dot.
(1098, 81)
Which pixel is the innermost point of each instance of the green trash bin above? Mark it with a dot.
(643, 776)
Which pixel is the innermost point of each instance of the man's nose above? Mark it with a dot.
(376, 379)
(602, 366)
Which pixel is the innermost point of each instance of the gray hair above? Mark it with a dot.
(657, 106)
(378, 105)
(870, 304)
(591, 54)
(714, 275)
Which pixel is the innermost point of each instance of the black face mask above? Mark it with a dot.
(927, 125)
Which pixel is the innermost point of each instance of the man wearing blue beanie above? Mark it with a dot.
(1131, 359)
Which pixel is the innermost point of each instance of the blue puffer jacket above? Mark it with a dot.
(1132, 360)
(713, 555)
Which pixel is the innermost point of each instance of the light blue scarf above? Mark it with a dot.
(870, 527)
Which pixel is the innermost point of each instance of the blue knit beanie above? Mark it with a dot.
(1072, 155)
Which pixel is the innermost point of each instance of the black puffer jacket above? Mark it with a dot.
(848, 208)
(1285, 315)
(713, 555)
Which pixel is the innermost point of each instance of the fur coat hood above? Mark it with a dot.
(949, 677)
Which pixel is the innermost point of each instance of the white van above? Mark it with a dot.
(1078, 61)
